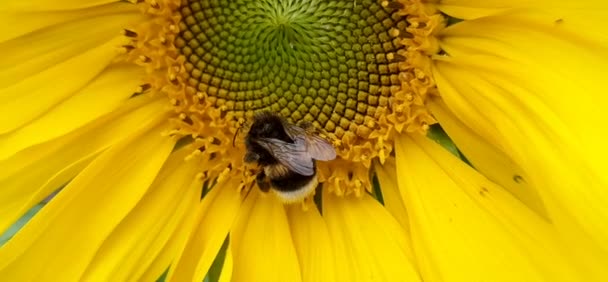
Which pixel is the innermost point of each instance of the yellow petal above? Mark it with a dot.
(541, 88)
(241, 221)
(69, 230)
(369, 243)
(466, 228)
(520, 34)
(471, 9)
(34, 95)
(393, 200)
(157, 215)
(32, 53)
(15, 24)
(488, 159)
(265, 251)
(221, 206)
(104, 94)
(31, 175)
(226, 274)
(43, 5)
(174, 246)
(312, 243)
(464, 12)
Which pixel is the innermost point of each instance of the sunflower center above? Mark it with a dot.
(359, 71)
(325, 62)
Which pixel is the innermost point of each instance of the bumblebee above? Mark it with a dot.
(286, 154)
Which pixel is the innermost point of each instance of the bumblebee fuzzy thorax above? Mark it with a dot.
(265, 125)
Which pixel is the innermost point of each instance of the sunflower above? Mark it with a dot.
(132, 108)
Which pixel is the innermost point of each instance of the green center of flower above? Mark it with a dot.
(359, 71)
(331, 63)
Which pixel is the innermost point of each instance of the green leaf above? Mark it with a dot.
(19, 224)
(163, 276)
(377, 192)
(437, 134)
(216, 267)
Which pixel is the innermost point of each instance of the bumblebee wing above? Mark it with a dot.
(293, 131)
(319, 148)
(292, 155)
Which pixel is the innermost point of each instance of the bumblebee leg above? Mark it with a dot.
(262, 181)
